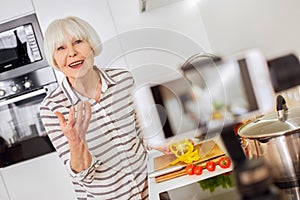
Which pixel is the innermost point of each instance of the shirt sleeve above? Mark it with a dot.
(140, 134)
(138, 123)
(86, 175)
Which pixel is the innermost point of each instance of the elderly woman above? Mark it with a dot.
(90, 117)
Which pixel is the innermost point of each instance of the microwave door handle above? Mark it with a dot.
(24, 96)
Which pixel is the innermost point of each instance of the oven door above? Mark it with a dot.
(21, 127)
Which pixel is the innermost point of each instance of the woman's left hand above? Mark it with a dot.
(164, 149)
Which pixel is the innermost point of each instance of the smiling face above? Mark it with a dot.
(74, 57)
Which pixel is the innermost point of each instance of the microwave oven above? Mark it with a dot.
(21, 47)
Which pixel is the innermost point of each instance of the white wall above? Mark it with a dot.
(11, 9)
(157, 42)
(233, 25)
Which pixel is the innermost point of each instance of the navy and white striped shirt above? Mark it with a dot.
(119, 166)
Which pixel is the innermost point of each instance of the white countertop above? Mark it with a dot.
(156, 188)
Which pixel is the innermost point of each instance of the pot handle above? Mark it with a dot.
(263, 140)
(281, 107)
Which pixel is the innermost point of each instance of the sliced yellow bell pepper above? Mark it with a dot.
(184, 151)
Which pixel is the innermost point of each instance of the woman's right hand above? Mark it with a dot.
(76, 127)
(75, 131)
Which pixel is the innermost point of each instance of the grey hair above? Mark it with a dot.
(59, 29)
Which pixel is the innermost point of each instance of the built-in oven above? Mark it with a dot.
(25, 80)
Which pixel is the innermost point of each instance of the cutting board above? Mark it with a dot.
(207, 151)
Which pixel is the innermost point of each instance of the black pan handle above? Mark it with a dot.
(281, 107)
(264, 140)
(280, 103)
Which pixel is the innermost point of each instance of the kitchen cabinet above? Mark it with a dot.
(3, 192)
(43, 177)
(271, 26)
(15, 8)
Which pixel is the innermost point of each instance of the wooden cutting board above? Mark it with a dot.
(207, 151)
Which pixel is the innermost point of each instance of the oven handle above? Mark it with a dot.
(24, 96)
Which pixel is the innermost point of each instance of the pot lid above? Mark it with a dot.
(270, 126)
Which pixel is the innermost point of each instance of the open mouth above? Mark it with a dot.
(76, 64)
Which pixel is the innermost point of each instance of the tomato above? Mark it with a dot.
(224, 162)
(198, 170)
(189, 169)
(210, 166)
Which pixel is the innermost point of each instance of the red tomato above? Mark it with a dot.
(198, 170)
(210, 166)
(189, 169)
(224, 162)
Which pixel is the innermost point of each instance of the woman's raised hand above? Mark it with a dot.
(76, 127)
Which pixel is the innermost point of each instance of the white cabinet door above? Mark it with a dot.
(39, 178)
(11, 9)
(3, 192)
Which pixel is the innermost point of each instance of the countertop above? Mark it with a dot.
(156, 188)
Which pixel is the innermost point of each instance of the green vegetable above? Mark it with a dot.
(224, 180)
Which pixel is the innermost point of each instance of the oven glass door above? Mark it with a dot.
(20, 117)
(22, 134)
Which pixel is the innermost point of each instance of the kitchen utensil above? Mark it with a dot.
(276, 139)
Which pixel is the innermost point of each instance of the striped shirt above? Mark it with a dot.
(119, 164)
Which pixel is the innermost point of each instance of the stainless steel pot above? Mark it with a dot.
(276, 139)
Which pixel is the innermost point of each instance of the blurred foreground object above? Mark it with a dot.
(276, 138)
(252, 177)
